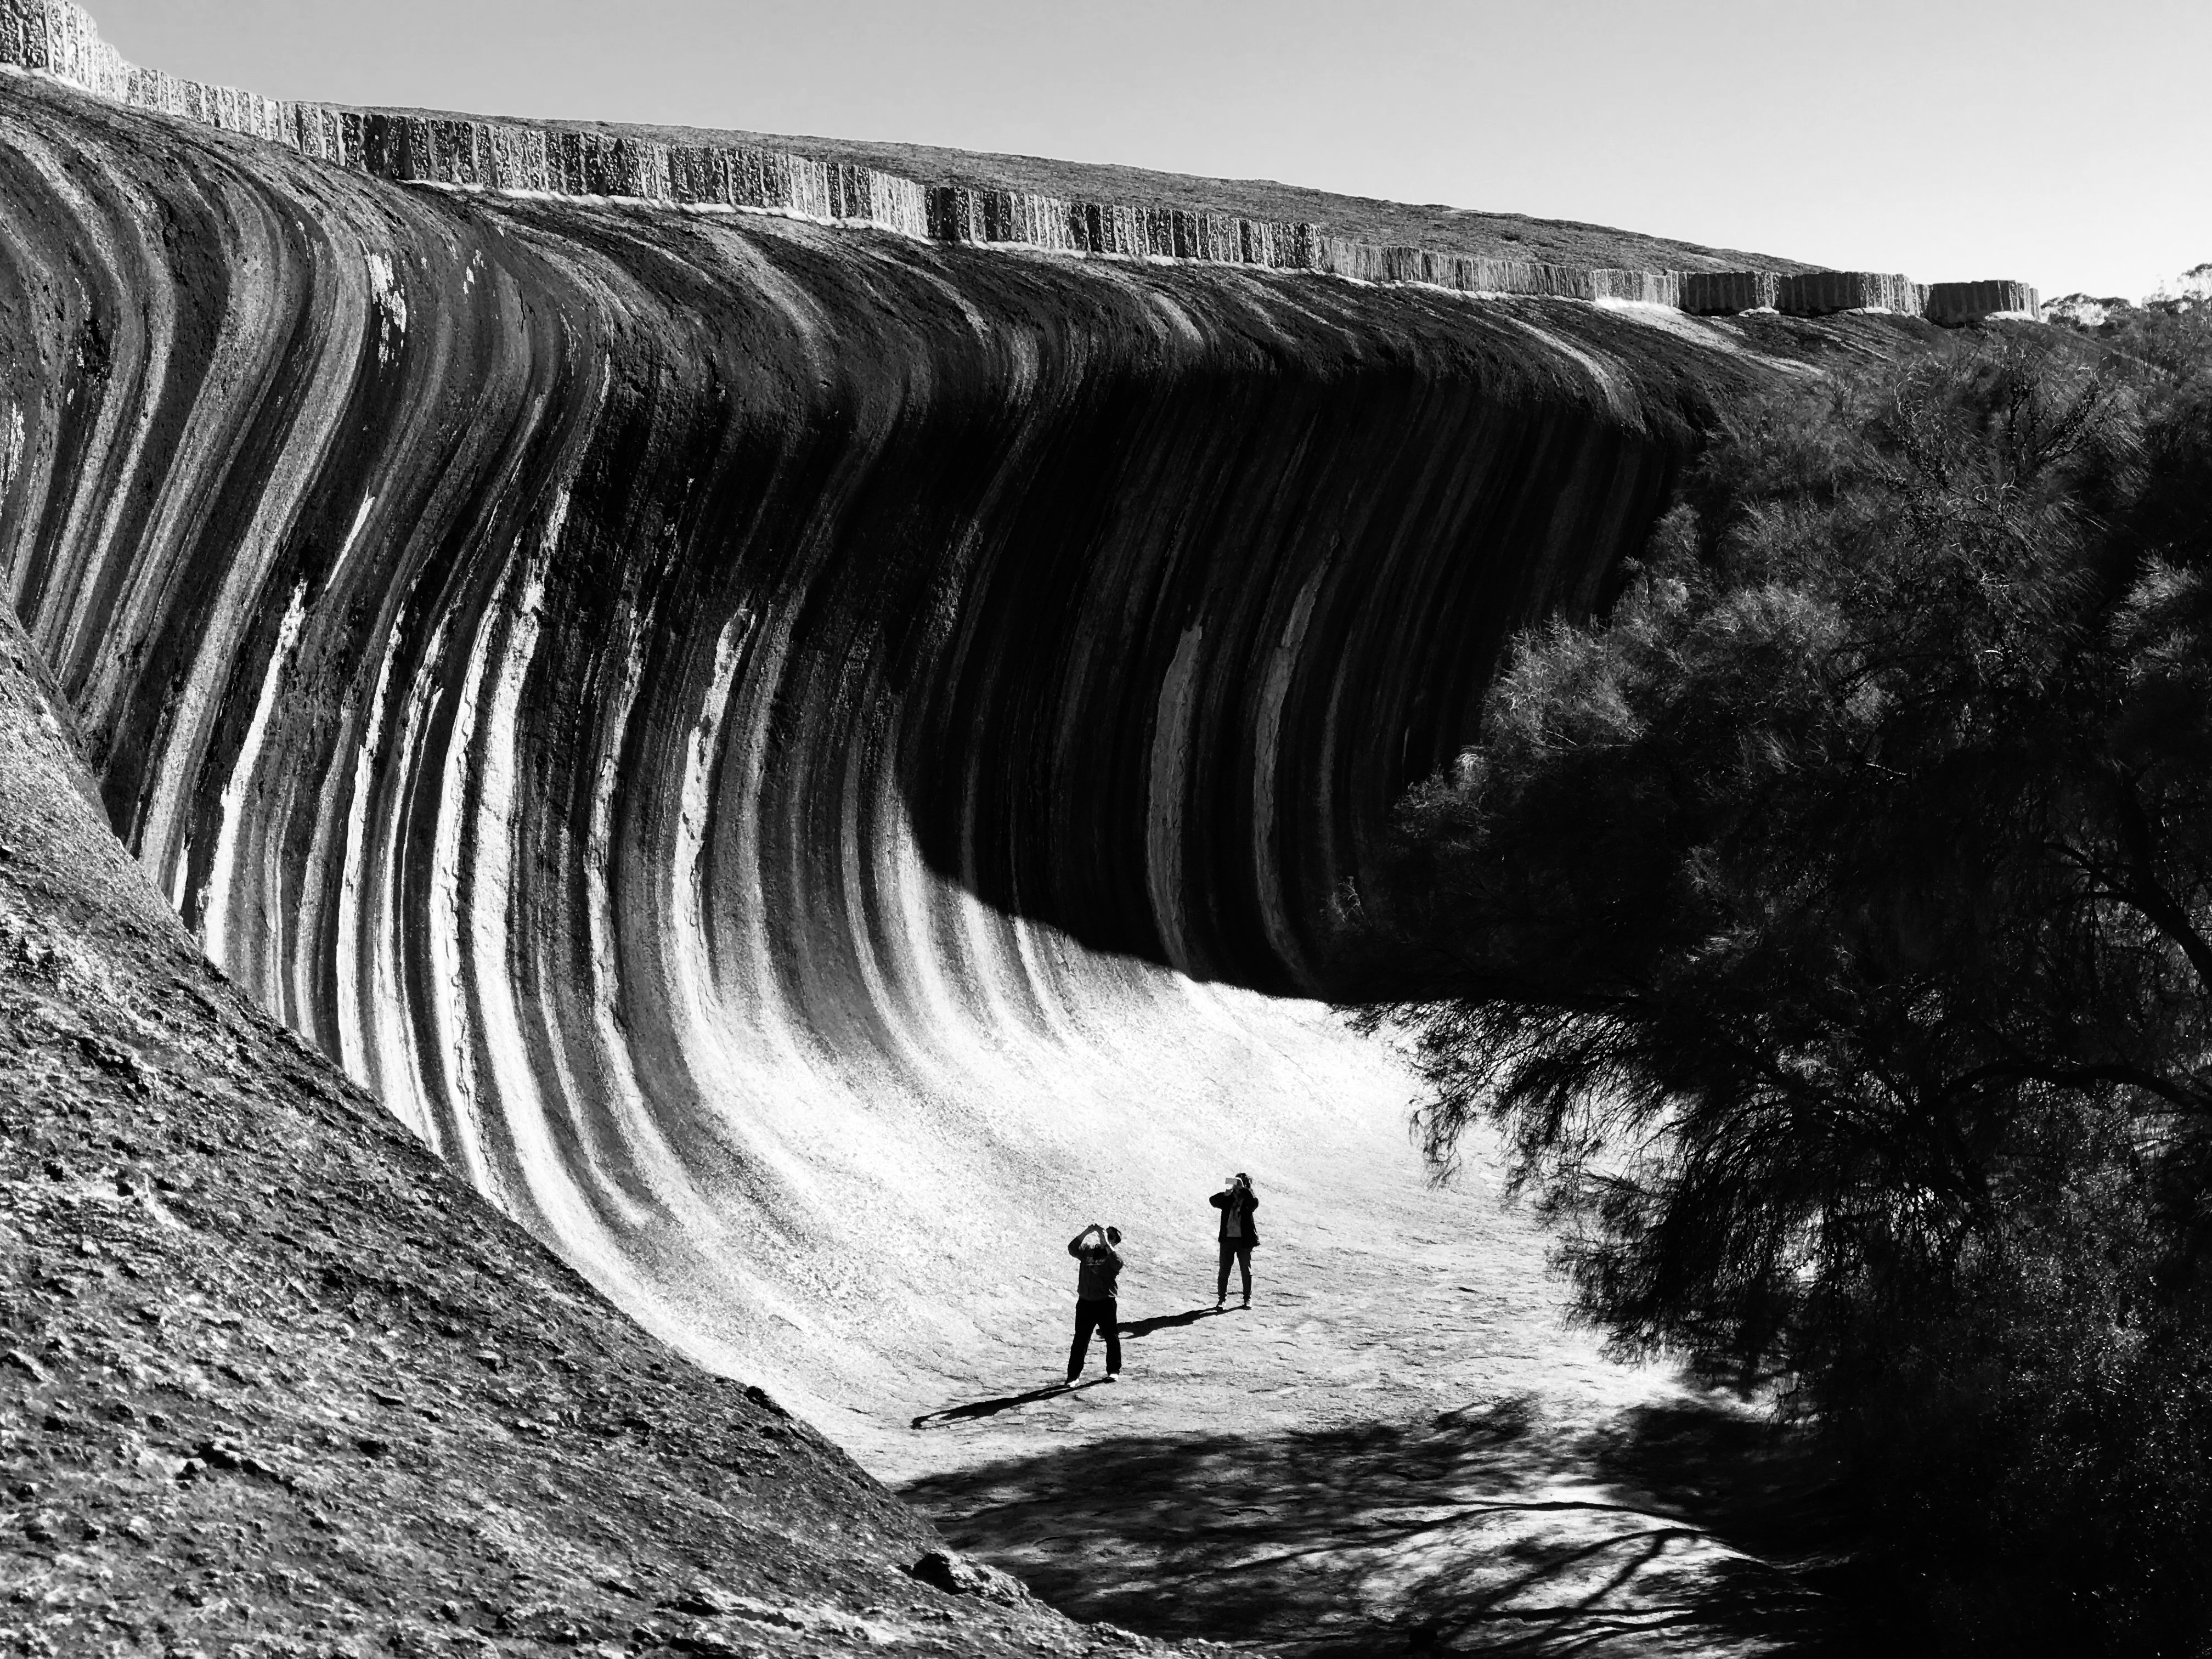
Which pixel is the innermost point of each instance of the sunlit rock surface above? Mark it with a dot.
(271, 1381)
(803, 762)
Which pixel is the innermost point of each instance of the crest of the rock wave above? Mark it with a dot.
(805, 761)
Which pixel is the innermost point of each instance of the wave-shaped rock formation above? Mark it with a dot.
(61, 40)
(271, 1381)
(784, 752)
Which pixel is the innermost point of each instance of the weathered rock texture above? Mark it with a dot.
(794, 762)
(272, 1381)
(62, 40)
(719, 723)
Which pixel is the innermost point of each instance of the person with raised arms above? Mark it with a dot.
(1095, 1309)
(1237, 1201)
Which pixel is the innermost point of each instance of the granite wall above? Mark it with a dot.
(761, 743)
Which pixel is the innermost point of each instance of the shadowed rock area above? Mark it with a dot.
(1669, 1530)
(798, 766)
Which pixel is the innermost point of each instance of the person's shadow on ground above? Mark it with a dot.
(1005, 1402)
(1166, 1322)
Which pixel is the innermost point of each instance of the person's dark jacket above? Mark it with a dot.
(1102, 1265)
(1247, 1200)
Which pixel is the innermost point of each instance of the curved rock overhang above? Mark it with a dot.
(651, 694)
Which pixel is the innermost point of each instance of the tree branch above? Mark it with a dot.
(2142, 888)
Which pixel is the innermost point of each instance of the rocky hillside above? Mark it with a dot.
(1358, 218)
(270, 1373)
(786, 760)
(716, 722)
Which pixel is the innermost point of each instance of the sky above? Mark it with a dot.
(2063, 145)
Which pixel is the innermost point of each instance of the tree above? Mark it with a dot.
(1829, 930)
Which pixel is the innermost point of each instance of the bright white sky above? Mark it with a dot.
(2063, 145)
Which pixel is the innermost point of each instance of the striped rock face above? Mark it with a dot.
(796, 758)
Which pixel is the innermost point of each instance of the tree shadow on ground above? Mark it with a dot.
(1668, 1530)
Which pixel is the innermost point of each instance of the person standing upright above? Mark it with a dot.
(1236, 1201)
(1095, 1309)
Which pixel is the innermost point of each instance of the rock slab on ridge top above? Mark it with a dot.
(62, 39)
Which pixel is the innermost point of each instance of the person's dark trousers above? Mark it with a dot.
(1239, 1250)
(1095, 1315)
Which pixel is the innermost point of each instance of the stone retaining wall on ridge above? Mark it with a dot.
(1721, 293)
(1953, 303)
(61, 40)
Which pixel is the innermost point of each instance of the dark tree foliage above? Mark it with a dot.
(1829, 932)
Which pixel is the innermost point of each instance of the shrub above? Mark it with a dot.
(1830, 931)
